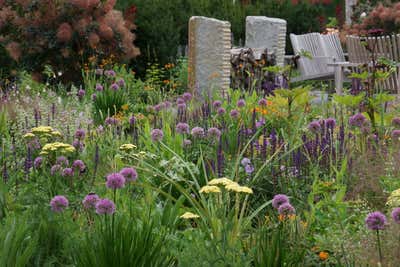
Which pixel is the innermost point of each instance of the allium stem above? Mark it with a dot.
(379, 246)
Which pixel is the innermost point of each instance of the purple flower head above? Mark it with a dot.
(94, 97)
(376, 221)
(77, 144)
(260, 123)
(197, 132)
(187, 96)
(121, 82)
(396, 122)
(63, 161)
(157, 108)
(59, 203)
(263, 102)
(167, 104)
(129, 173)
(182, 128)
(330, 123)
(157, 135)
(114, 87)
(78, 164)
(182, 106)
(245, 162)
(396, 135)
(357, 120)
(38, 162)
(314, 127)
(105, 206)
(187, 143)
(217, 104)
(99, 72)
(279, 200)
(249, 169)
(55, 168)
(110, 73)
(80, 134)
(90, 201)
(115, 181)
(180, 101)
(111, 121)
(396, 215)
(241, 103)
(81, 93)
(286, 209)
(132, 120)
(214, 133)
(99, 87)
(221, 111)
(234, 114)
(67, 172)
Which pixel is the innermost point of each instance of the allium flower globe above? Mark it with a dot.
(214, 133)
(38, 162)
(157, 135)
(182, 128)
(241, 103)
(279, 200)
(198, 132)
(217, 104)
(78, 164)
(90, 201)
(59, 203)
(396, 215)
(115, 181)
(357, 120)
(67, 172)
(376, 221)
(105, 207)
(286, 209)
(314, 127)
(129, 173)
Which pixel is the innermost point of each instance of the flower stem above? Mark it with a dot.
(379, 246)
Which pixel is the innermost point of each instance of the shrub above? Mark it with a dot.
(65, 34)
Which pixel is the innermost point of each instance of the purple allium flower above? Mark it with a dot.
(187, 96)
(357, 120)
(132, 120)
(279, 200)
(94, 97)
(105, 206)
(59, 203)
(129, 173)
(260, 123)
(99, 72)
(330, 123)
(157, 108)
(314, 127)
(114, 87)
(182, 128)
(55, 168)
(214, 133)
(115, 181)
(217, 104)
(263, 102)
(80, 134)
(198, 132)
(67, 172)
(100, 129)
(286, 209)
(182, 106)
(110, 73)
(396, 215)
(38, 162)
(121, 82)
(249, 169)
(167, 104)
(78, 164)
(63, 161)
(81, 93)
(376, 220)
(187, 142)
(111, 121)
(180, 100)
(90, 201)
(245, 162)
(396, 135)
(77, 144)
(157, 135)
(234, 114)
(396, 122)
(221, 111)
(99, 87)
(241, 103)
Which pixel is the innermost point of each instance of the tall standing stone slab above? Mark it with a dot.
(209, 54)
(267, 33)
(349, 7)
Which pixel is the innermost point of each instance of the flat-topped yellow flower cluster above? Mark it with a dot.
(228, 184)
(394, 199)
(127, 147)
(57, 147)
(42, 131)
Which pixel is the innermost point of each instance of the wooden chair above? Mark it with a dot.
(324, 50)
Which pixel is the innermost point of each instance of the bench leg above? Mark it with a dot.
(339, 80)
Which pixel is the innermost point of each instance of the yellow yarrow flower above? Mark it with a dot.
(221, 181)
(56, 133)
(210, 189)
(394, 199)
(57, 146)
(28, 135)
(189, 215)
(42, 130)
(238, 188)
(127, 147)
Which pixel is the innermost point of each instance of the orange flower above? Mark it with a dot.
(166, 81)
(323, 256)
(125, 107)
